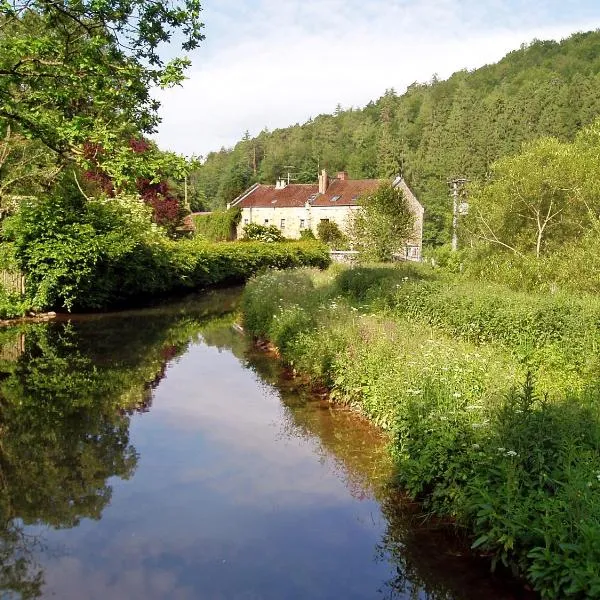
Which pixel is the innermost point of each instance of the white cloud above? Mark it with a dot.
(282, 62)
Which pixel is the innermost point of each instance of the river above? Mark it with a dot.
(152, 454)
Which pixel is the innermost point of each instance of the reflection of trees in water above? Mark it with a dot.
(65, 408)
(356, 451)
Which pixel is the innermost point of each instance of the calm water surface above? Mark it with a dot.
(150, 455)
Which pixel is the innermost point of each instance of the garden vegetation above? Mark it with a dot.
(217, 226)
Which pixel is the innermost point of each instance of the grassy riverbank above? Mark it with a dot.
(80, 279)
(491, 398)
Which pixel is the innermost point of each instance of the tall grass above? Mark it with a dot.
(491, 399)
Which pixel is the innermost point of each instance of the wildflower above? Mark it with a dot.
(511, 453)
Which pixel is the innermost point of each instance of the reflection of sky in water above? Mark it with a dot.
(224, 504)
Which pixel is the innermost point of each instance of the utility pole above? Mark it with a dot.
(456, 185)
(289, 175)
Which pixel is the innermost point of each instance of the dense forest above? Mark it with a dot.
(433, 132)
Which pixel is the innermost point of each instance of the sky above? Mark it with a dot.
(274, 63)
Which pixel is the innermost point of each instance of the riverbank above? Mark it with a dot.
(146, 271)
(490, 397)
(201, 461)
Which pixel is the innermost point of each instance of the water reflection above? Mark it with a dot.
(240, 485)
(67, 393)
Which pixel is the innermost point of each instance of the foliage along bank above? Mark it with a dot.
(92, 253)
(493, 422)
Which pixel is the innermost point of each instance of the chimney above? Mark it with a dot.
(280, 184)
(323, 182)
(342, 175)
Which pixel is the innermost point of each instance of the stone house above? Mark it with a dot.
(293, 207)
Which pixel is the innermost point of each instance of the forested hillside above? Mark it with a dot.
(433, 132)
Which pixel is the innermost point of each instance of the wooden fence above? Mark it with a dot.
(13, 282)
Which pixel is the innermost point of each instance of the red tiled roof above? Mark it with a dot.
(297, 194)
(346, 192)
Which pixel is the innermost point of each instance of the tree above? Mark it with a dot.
(539, 199)
(26, 167)
(329, 233)
(383, 223)
(80, 71)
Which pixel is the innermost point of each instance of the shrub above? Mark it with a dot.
(307, 234)
(377, 282)
(12, 305)
(329, 233)
(218, 226)
(262, 233)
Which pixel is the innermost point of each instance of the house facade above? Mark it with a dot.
(295, 207)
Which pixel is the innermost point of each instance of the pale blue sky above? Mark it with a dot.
(270, 63)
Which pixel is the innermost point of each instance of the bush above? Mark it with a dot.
(307, 234)
(574, 268)
(443, 257)
(378, 282)
(12, 305)
(218, 226)
(262, 233)
(329, 233)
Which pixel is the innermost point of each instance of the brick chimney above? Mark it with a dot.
(323, 182)
(342, 175)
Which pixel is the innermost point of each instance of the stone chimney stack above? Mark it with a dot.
(323, 182)
(342, 175)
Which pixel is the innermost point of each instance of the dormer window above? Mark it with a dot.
(335, 198)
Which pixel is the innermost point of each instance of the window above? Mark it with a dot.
(335, 198)
(245, 221)
(302, 224)
(324, 220)
(282, 223)
(266, 221)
